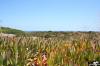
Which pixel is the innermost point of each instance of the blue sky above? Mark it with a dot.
(54, 15)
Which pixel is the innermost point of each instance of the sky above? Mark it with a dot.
(51, 15)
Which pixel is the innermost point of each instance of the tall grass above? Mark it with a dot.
(21, 51)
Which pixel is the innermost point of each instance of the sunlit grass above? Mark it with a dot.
(23, 51)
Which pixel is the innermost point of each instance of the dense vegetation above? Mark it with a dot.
(66, 49)
(60, 48)
(61, 34)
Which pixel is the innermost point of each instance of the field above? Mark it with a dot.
(64, 49)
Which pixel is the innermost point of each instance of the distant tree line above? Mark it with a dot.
(49, 34)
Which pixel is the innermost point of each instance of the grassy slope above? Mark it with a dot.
(11, 31)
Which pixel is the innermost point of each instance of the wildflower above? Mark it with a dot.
(35, 63)
(44, 60)
(26, 48)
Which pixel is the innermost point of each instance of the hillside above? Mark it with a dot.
(8, 30)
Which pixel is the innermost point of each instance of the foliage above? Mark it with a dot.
(77, 49)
